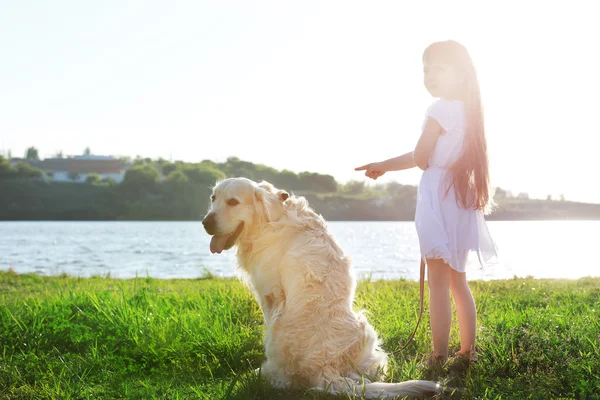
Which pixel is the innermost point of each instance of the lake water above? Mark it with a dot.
(385, 250)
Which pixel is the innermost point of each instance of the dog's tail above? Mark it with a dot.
(382, 390)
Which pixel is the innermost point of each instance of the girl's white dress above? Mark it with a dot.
(446, 230)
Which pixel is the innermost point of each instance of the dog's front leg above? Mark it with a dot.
(273, 369)
(273, 304)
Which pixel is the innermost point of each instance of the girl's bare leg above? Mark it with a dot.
(465, 310)
(440, 310)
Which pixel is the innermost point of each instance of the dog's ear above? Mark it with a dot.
(269, 200)
(283, 195)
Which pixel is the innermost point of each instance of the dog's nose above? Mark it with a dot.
(209, 223)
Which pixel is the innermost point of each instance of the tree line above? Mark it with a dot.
(164, 190)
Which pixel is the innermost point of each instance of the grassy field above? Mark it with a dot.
(71, 338)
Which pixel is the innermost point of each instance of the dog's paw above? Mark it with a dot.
(273, 377)
(359, 379)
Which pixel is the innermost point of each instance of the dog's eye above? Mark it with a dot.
(232, 202)
(212, 198)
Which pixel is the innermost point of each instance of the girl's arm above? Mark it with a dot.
(376, 169)
(417, 158)
(405, 161)
(426, 143)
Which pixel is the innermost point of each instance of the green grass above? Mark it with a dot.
(71, 338)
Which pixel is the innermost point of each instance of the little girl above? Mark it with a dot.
(454, 191)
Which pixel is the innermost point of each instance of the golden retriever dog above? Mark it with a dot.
(304, 284)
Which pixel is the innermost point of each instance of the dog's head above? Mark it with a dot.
(238, 206)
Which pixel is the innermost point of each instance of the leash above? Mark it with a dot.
(421, 290)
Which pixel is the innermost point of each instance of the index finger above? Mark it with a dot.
(361, 168)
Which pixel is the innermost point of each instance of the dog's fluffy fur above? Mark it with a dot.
(305, 287)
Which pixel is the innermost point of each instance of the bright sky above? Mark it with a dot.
(300, 85)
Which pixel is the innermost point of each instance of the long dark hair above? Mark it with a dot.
(470, 173)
